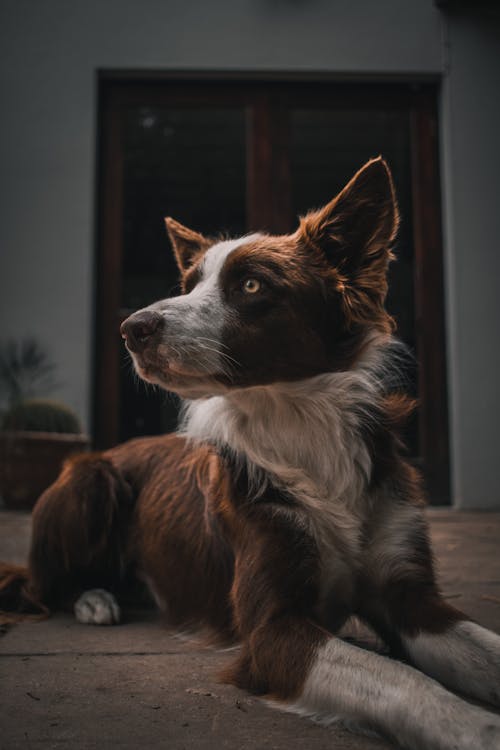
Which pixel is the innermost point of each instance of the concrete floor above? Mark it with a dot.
(65, 685)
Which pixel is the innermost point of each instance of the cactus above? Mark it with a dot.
(41, 415)
(26, 370)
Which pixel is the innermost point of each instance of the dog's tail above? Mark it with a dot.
(17, 602)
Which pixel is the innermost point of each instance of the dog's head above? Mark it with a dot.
(262, 308)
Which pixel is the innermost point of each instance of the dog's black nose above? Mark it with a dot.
(139, 327)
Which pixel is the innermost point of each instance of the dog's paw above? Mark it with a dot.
(97, 607)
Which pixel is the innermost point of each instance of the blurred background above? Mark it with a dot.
(237, 116)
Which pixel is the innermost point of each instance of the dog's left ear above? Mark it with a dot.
(355, 230)
(186, 242)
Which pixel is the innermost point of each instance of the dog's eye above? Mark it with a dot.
(251, 286)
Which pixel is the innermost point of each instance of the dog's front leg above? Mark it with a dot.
(289, 658)
(462, 655)
(395, 700)
(294, 663)
(404, 604)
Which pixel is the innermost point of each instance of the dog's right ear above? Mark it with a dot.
(187, 243)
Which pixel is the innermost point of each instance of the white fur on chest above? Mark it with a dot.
(304, 433)
(307, 436)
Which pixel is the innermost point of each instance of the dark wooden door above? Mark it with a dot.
(252, 155)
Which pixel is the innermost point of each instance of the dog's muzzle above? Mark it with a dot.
(138, 328)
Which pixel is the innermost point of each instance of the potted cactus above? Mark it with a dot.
(36, 434)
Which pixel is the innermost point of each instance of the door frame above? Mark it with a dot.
(268, 206)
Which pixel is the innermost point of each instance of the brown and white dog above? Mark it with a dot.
(283, 506)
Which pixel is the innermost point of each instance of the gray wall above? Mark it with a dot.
(50, 53)
(471, 167)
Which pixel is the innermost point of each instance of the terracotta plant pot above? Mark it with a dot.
(31, 461)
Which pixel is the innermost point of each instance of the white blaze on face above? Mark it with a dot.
(195, 321)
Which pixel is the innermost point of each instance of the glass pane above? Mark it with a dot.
(188, 163)
(185, 163)
(327, 147)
